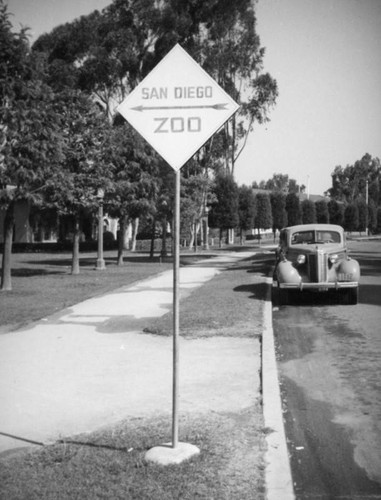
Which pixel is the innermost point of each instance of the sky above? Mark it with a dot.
(326, 58)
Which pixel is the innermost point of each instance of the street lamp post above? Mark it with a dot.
(100, 261)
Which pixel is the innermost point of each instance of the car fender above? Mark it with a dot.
(348, 270)
(286, 273)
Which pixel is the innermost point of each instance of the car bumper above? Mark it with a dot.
(319, 286)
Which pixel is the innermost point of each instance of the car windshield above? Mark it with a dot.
(308, 237)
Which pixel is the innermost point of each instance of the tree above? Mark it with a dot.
(246, 209)
(195, 186)
(280, 182)
(308, 212)
(378, 227)
(105, 54)
(351, 217)
(263, 218)
(30, 142)
(322, 214)
(362, 215)
(85, 169)
(224, 212)
(336, 212)
(294, 215)
(293, 187)
(351, 182)
(221, 36)
(109, 53)
(134, 185)
(372, 217)
(165, 202)
(278, 210)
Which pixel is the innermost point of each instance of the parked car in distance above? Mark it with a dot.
(315, 257)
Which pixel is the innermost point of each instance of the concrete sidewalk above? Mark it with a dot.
(90, 366)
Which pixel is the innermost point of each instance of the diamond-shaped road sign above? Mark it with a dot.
(177, 107)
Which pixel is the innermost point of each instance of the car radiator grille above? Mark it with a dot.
(318, 266)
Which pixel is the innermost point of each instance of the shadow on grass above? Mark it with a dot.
(256, 290)
(19, 438)
(185, 260)
(257, 264)
(66, 262)
(64, 442)
(89, 444)
(27, 272)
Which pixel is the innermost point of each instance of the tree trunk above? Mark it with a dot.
(153, 234)
(202, 241)
(233, 145)
(164, 239)
(75, 259)
(135, 228)
(122, 230)
(221, 236)
(206, 237)
(226, 147)
(192, 235)
(6, 280)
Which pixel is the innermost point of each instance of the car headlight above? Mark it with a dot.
(301, 259)
(333, 258)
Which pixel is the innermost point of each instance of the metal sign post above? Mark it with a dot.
(177, 108)
(176, 313)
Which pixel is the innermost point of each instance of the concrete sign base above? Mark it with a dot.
(166, 455)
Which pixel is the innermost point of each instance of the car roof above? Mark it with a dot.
(314, 227)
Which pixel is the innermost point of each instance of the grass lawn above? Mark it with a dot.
(224, 306)
(110, 463)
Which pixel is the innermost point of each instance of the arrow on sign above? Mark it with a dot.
(209, 106)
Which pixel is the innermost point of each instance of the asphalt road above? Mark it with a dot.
(329, 360)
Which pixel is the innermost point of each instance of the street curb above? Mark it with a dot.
(278, 471)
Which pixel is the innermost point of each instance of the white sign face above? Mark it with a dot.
(177, 107)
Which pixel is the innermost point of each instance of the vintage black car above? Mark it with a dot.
(315, 257)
